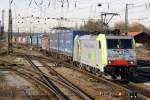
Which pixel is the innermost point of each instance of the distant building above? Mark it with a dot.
(140, 37)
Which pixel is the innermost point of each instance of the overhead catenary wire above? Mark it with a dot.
(70, 6)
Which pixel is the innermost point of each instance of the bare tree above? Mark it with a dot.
(136, 27)
(133, 27)
(92, 26)
(98, 26)
(120, 25)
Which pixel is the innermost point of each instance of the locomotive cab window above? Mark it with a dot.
(119, 44)
(112, 43)
(126, 44)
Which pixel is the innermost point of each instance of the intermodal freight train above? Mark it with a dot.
(99, 54)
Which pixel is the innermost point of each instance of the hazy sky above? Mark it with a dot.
(76, 12)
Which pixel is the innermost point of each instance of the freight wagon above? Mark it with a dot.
(19, 38)
(61, 43)
(36, 40)
(28, 39)
(45, 42)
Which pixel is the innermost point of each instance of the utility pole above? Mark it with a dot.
(10, 46)
(2, 26)
(126, 18)
(3, 17)
(2, 23)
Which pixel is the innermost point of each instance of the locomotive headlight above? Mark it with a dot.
(131, 62)
(109, 62)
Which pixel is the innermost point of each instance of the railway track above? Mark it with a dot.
(130, 88)
(52, 87)
(28, 75)
(77, 90)
(70, 85)
(62, 80)
(143, 68)
(143, 63)
(143, 73)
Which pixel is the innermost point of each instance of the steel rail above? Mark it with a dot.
(73, 87)
(143, 63)
(48, 82)
(29, 76)
(70, 85)
(141, 96)
(63, 81)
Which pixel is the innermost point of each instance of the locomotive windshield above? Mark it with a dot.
(119, 44)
